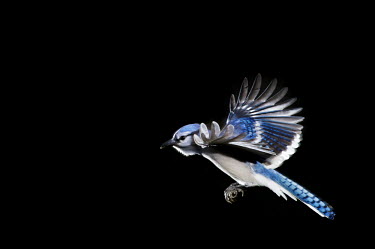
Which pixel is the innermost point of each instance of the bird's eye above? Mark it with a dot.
(182, 138)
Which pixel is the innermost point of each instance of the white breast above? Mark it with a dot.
(237, 170)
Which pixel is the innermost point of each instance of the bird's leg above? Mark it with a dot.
(231, 192)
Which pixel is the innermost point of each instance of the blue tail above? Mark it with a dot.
(297, 190)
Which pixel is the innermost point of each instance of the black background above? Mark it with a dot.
(176, 85)
(136, 88)
(105, 86)
(203, 96)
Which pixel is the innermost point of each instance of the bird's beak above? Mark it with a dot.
(167, 144)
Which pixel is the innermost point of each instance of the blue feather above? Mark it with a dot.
(189, 127)
(244, 125)
(297, 190)
(275, 130)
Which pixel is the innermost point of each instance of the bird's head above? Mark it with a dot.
(183, 141)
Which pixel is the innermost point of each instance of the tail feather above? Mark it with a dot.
(293, 189)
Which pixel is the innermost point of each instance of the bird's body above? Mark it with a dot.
(233, 167)
(259, 135)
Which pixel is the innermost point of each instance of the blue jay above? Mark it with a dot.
(258, 136)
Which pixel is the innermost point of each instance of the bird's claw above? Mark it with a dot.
(232, 191)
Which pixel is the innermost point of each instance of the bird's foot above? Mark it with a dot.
(232, 192)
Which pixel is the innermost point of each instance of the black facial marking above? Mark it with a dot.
(182, 138)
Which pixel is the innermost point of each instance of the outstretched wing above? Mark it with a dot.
(260, 123)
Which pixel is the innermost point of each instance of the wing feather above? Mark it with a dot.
(278, 96)
(268, 92)
(255, 88)
(277, 113)
(270, 108)
(243, 91)
(258, 122)
(203, 132)
(215, 130)
(232, 103)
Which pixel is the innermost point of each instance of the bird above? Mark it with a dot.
(261, 132)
